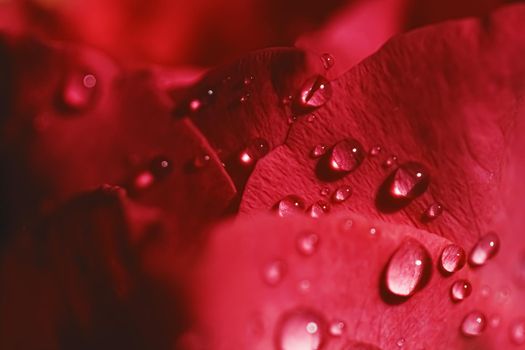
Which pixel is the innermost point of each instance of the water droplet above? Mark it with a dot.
(473, 324)
(485, 248)
(307, 243)
(318, 151)
(432, 212)
(286, 100)
(485, 291)
(495, 321)
(407, 268)
(328, 60)
(390, 162)
(78, 91)
(244, 98)
(195, 105)
(289, 205)
(517, 332)
(452, 259)
(304, 286)
(318, 209)
(201, 161)
(311, 118)
(342, 194)
(460, 290)
(255, 150)
(408, 181)
(300, 330)
(274, 272)
(400, 342)
(325, 191)
(373, 231)
(375, 151)
(337, 328)
(346, 156)
(248, 80)
(346, 225)
(314, 93)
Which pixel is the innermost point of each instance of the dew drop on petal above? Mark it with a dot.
(519, 271)
(346, 225)
(408, 181)
(318, 209)
(341, 194)
(304, 286)
(325, 191)
(311, 118)
(300, 330)
(314, 93)
(517, 332)
(78, 91)
(407, 268)
(289, 205)
(345, 156)
(143, 180)
(485, 291)
(400, 342)
(307, 243)
(327, 60)
(255, 150)
(452, 259)
(337, 328)
(460, 290)
(318, 151)
(495, 321)
(486, 247)
(433, 211)
(248, 80)
(375, 151)
(160, 167)
(473, 324)
(201, 161)
(274, 272)
(390, 162)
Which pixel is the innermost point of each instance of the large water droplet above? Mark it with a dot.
(318, 209)
(78, 91)
(345, 156)
(407, 268)
(327, 60)
(473, 324)
(342, 194)
(300, 330)
(314, 93)
(337, 328)
(158, 169)
(517, 332)
(255, 150)
(460, 290)
(289, 205)
(318, 151)
(485, 248)
(433, 211)
(307, 243)
(452, 259)
(274, 272)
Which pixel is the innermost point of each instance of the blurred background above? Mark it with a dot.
(207, 32)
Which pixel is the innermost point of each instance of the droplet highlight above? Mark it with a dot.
(300, 330)
(485, 249)
(289, 206)
(473, 324)
(407, 269)
(460, 290)
(318, 151)
(255, 150)
(337, 328)
(327, 60)
(341, 194)
(314, 93)
(452, 259)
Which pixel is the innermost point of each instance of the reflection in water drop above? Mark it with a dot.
(337, 328)
(473, 324)
(78, 91)
(318, 209)
(274, 272)
(289, 205)
(452, 259)
(460, 290)
(485, 249)
(346, 156)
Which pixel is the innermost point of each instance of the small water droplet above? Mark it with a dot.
(78, 91)
(473, 324)
(408, 181)
(160, 167)
(460, 290)
(325, 191)
(289, 205)
(255, 150)
(300, 330)
(485, 291)
(517, 332)
(274, 272)
(345, 156)
(486, 247)
(495, 321)
(318, 209)
(452, 259)
(314, 93)
(342, 194)
(201, 161)
(373, 231)
(433, 211)
(346, 225)
(304, 286)
(337, 328)
(327, 60)
(292, 119)
(287, 100)
(318, 151)
(400, 342)
(311, 118)
(307, 243)
(375, 151)
(390, 162)
(244, 98)
(248, 80)
(407, 268)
